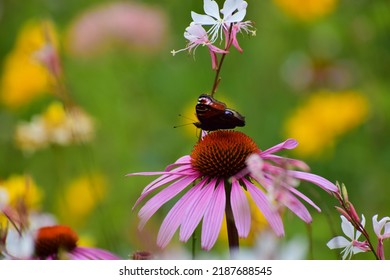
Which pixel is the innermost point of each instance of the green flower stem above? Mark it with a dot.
(230, 224)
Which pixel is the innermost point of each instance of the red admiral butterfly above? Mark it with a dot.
(213, 114)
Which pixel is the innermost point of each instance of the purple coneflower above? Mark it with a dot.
(215, 177)
(60, 242)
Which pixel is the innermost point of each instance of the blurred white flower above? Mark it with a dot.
(55, 126)
(20, 245)
(269, 247)
(31, 136)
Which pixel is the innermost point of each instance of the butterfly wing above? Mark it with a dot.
(208, 110)
(213, 115)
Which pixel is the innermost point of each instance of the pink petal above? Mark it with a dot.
(93, 254)
(315, 179)
(214, 49)
(286, 145)
(161, 198)
(292, 203)
(165, 179)
(196, 212)
(180, 169)
(380, 249)
(273, 217)
(147, 173)
(304, 197)
(212, 220)
(175, 217)
(214, 60)
(282, 161)
(234, 39)
(240, 208)
(183, 160)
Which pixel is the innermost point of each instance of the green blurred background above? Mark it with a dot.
(135, 94)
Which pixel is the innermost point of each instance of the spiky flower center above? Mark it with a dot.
(222, 153)
(50, 240)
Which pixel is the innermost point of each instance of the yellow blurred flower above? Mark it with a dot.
(55, 126)
(54, 115)
(258, 224)
(81, 197)
(24, 77)
(67, 126)
(21, 187)
(306, 10)
(323, 118)
(18, 190)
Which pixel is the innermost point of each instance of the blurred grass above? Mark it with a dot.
(136, 97)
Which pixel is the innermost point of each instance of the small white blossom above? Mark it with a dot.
(384, 223)
(382, 231)
(233, 11)
(197, 36)
(351, 245)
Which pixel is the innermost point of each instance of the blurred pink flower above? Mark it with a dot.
(135, 25)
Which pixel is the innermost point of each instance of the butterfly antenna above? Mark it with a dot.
(180, 115)
(192, 121)
(176, 126)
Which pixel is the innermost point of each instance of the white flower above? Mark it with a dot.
(233, 11)
(20, 245)
(196, 36)
(378, 227)
(32, 136)
(384, 223)
(351, 246)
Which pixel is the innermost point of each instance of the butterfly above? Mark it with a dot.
(213, 114)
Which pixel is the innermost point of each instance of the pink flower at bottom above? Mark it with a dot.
(60, 242)
(217, 171)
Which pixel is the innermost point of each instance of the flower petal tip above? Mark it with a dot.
(290, 144)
